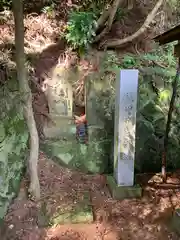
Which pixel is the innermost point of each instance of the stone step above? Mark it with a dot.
(64, 127)
(78, 210)
(64, 148)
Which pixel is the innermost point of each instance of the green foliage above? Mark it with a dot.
(174, 4)
(81, 29)
(5, 4)
(158, 69)
(129, 61)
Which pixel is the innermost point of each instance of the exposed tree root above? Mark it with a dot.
(119, 42)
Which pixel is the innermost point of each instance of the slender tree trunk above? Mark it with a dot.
(103, 18)
(168, 125)
(34, 188)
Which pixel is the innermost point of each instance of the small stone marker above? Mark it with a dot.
(125, 127)
(60, 100)
(59, 94)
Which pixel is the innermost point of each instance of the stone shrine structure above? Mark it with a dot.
(61, 142)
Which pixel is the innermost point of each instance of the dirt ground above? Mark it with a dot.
(146, 218)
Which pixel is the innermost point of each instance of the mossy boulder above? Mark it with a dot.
(13, 145)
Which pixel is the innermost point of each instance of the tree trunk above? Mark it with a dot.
(112, 14)
(104, 16)
(168, 125)
(130, 4)
(34, 187)
(108, 15)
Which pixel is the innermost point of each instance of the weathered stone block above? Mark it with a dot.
(120, 192)
(59, 92)
(125, 126)
(87, 158)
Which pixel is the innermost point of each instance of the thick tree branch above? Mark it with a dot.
(110, 15)
(149, 19)
(104, 16)
(113, 12)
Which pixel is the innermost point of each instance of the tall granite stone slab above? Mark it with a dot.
(122, 184)
(125, 127)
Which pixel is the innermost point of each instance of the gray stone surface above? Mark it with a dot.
(125, 126)
(89, 158)
(59, 93)
(60, 100)
(96, 89)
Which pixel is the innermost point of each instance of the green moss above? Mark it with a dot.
(89, 158)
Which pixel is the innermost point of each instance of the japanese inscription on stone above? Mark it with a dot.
(125, 122)
(60, 95)
(128, 129)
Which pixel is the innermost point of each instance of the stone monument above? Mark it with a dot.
(122, 183)
(61, 145)
(59, 94)
(60, 100)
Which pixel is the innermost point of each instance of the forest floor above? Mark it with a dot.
(146, 218)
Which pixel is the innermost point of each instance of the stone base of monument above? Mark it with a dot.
(175, 223)
(79, 211)
(123, 192)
